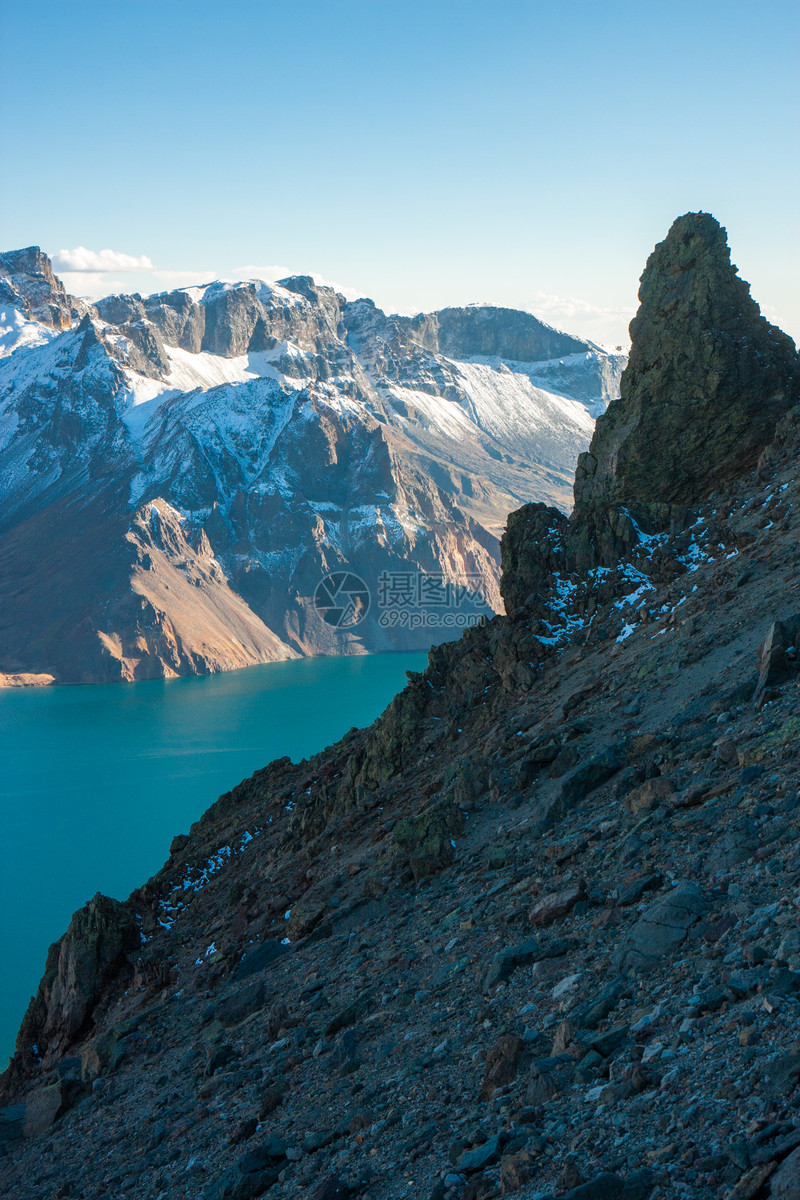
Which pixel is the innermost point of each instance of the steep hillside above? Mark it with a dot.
(534, 932)
(280, 434)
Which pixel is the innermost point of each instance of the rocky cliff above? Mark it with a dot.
(291, 435)
(533, 932)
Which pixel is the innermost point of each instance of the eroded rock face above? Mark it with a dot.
(489, 332)
(707, 381)
(532, 548)
(78, 967)
(27, 282)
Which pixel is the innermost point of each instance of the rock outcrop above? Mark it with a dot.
(482, 330)
(28, 284)
(79, 967)
(707, 381)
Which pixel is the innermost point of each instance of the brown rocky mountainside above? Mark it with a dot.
(533, 933)
(179, 472)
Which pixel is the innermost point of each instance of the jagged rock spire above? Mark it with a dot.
(707, 380)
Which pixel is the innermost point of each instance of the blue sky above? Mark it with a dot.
(423, 153)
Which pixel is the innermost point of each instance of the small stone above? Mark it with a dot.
(481, 1156)
(649, 795)
(516, 1170)
(501, 1063)
(556, 905)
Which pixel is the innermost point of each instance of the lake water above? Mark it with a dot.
(96, 781)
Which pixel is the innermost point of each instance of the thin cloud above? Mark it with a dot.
(349, 293)
(81, 259)
(572, 306)
(93, 285)
(184, 278)
(268, 274)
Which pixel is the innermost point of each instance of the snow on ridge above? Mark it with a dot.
(189, 371)
(193, 375)
(18, 332)
(271, 295)
(503, 402)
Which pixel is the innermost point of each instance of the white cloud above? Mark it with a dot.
(608, 326)
(349, 293)
(81, 259)
(178, 279)
(269, 274)
(571, 306)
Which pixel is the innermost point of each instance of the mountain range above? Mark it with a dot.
(180, 472)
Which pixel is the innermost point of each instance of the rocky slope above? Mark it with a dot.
(180, 471)
(534, 932)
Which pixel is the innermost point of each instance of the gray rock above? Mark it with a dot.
(603, 1187)
(607, 1044)
(345, 1052)
(241, 1004)
(258, 958)
(661, 929)
(590, 1015)
(738, 843)
(12, 1119)
(590, 775)
(533, 950)
(610, 1187)
(331, 1188)
(481, 1157)
(253, 1175)
(779, 655)
(42, 1108)
(782, 1073)
(350, 1013)
(785, 1183)
(549, 1077)
(218, 1057)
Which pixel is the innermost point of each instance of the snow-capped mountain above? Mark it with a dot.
(179, 472)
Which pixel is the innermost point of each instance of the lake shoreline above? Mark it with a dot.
(97, 779)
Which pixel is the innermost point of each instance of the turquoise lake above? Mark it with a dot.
(96, 781)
